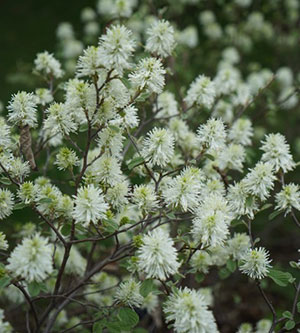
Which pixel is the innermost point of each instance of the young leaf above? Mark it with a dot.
(146, 287)
(289, 325)
(279, 277)
(287, 314)
(128, 317)
(231, 265)
(135, 162)
(274, 214)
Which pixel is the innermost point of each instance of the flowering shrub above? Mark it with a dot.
(133, 180)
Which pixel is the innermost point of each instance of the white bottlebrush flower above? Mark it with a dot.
(59, 120)
(89, 63)
(184, 190)
(5, 136)
(256, 263)
(71, 49)
(89, 205)
(88, 14)
(160, 38)
(232, 157)
(65, 207)
(242, 95)
(260, 180)
(202, 92)
(6, 203)
(241, 132)
(91, 29)
(22, 109)
(219, 255)
(116, 8)
(116, 48)
(188, 37)
(245, 328)
(27, 192)
(231, 55)
(263, 326)
(66, 159)
(32, 259)
(277, 152)
(3, 241)
(238, 245)
(288, 198)
(157, 257)
(128, 293)
(44, 96)
(149, 74)
(213, 187)
(166, 105)
(117, 195)
(212, 135)
(211, 221)
(131, 118)
(223, 110)
(80, 98)
(145, 198)
(227, 80)
(47, 65)
(111, 141)
(47, 199)
(201, 261)
(108, 170)
(65, 31)
(18, 168)
(151, 302)
(158, 147)
(188, 312)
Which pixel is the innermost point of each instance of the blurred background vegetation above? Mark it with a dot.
(28, 27)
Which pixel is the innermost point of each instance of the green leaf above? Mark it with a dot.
(135, 162)
(287, 314)
(293, 264)
(66, 230)
(114, 327)
(83, 128)
(289, 325)
(266, 206)
(19, 205)
(298, 307)
(45, 201)
(146, 287)
(199, 277)
(98, 327)
(128, 317)
(140, 330)
(279, 277)
(142, 97)
(210, 157)
(235, 223)
(114, 128)
(110, 225)
(231, 265)
(4, 281)
(5, 181)
(224, 273)
(274, 214)
(34, 288)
